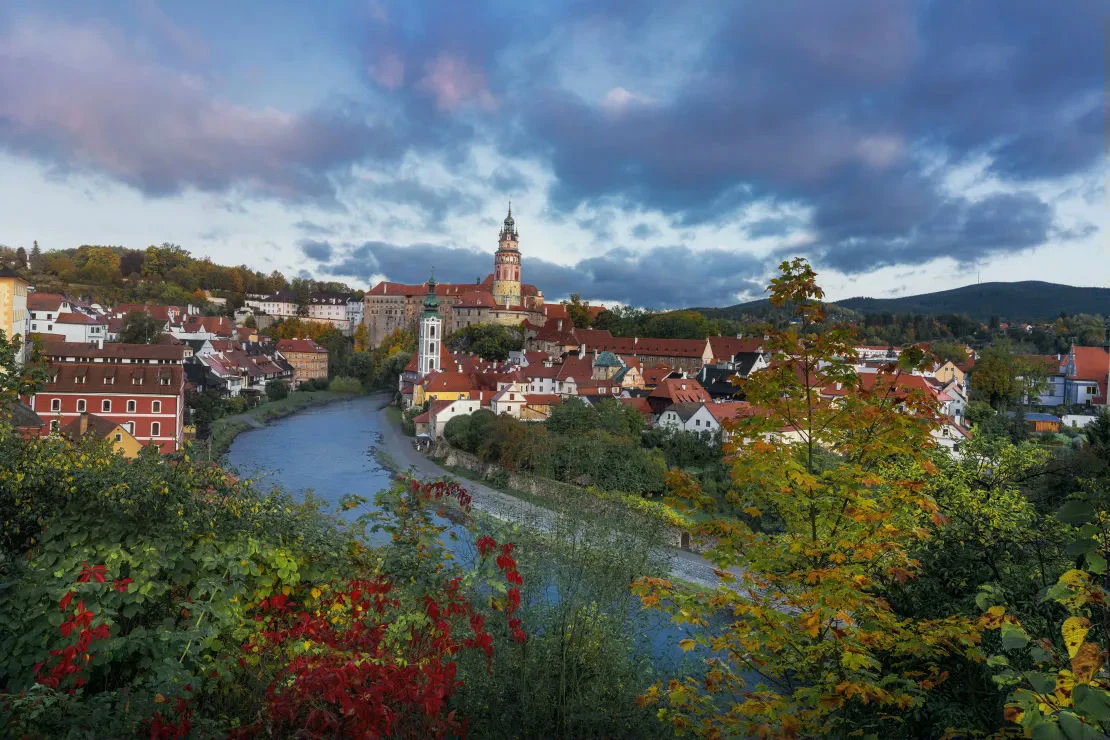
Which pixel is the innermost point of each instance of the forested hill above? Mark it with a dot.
(1030, 300)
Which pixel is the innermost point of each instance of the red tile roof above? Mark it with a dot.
(724, 349)
(1092, 363)
(78, 319)
(681, 390)
(730, 410)
(299, 345)
(45, 301)
(114, 350)
(66, 377)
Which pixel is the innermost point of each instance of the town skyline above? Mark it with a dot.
(899, 153)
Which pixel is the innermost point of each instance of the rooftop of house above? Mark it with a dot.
(300, 345)
(8, 272)
(97, 426)
(78, 319)
(114, 350)
(680, 390)
(45, 301)
(104, 378)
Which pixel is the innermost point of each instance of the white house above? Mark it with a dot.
(441, 412)
(1077, 421)
(354, 312)
(949, 435)
(509, 400)
(689, 417)
(77, 327)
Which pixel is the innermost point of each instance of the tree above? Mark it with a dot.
(361, 338)
(102, 265)
(812, 646)
(139, 327)
(19, 375)
(35, 260)
(56, 263)
(578, 311)
(21, 259)
(250, 322)
(276, 390)
(491, 342)
(994, 378)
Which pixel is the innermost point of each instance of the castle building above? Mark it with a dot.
(501, 298)
(506, 265)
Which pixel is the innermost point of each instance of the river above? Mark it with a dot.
(326, 451)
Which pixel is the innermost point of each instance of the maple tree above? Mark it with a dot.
(799, 639)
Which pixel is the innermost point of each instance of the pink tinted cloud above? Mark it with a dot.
(80, 97)
(454, 84)
(389, 70)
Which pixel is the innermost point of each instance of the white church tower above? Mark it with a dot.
(431, 333)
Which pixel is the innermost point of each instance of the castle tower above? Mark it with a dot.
(506, 264)
(431, 333)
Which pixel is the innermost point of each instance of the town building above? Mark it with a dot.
(501, 298)
(14, 318)
(78, 327)
(86, 424)
(341, 310)
(309, 359)
(147, 400)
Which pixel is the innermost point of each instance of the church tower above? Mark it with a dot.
(506, 265)
(431, 333)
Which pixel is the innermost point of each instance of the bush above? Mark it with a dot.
(276, 390)
(314, 384)
(147, 599)
(343, 384)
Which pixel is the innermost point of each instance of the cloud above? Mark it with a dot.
(453, 83)
(316, 250)
(81, 97)
(644, 231)
(659, 277)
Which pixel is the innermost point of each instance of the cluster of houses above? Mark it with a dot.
(135, 394)
(682, 384)
(344, 311)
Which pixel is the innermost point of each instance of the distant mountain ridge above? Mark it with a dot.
(1029, 300)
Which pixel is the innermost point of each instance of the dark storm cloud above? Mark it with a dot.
(316, 250)
(842, 107)
(660, 277)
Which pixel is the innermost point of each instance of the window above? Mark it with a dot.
(119, 437)
(105, 405)
(55, 426)
(130, 406)
(156, 407)
(80, 404)
(130, 427)
(55, 404)
(163, 381)
(34, 327)
(50, 327)
(155, 429)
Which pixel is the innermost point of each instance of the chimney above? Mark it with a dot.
(559, 324)
(635, 340)
(581, 351)
(83, 424)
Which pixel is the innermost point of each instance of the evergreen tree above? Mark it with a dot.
(21, 259)
(36, 261)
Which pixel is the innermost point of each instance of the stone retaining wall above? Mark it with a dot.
(450, 456)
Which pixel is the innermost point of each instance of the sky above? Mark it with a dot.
(656, 153)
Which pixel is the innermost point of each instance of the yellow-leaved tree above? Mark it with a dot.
(799, 640)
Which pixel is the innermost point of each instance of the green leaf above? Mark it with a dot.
(1092, 703)
(997, 661)
(1096, 563)
(1076, 512)
(1075, 729)
(1047, 731)
(1013, 637)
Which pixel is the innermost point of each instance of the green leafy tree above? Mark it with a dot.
(578, 311)
(21, 258)
(995, 377)
(21, 373)
(139, 327)
(276, 390)
(812, 646)
(491, 342)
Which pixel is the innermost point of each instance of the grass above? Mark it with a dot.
(228, 428)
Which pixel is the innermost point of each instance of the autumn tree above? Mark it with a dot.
(362, 338)
(810, 646)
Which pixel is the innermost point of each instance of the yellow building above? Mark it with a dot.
(91, 424)
(309, 360)
(948, 372)
(13, 302)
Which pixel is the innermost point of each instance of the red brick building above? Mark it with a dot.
(146, 400)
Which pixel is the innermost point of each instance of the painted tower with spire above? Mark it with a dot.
(506, 264)
(431, 333)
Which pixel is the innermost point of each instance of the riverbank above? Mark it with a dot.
(395, 451)
(225, 430)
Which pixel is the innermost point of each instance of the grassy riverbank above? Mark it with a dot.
(226, 429)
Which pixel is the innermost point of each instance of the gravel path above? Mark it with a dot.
(688, 566)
